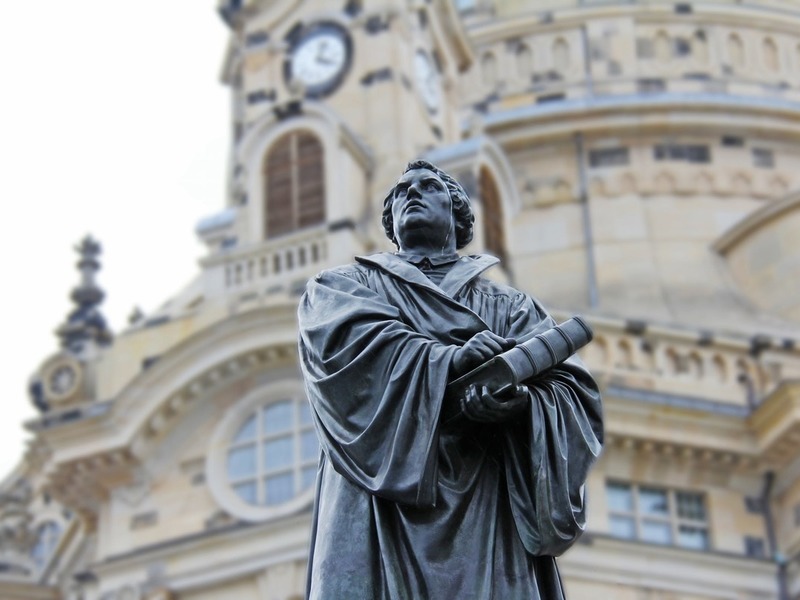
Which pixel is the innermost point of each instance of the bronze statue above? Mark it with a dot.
(421, 493)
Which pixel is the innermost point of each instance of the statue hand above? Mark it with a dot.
(483, 407)
(481, 347)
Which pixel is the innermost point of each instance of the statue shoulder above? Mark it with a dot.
(353, 271)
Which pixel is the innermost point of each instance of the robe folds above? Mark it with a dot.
(411, 506)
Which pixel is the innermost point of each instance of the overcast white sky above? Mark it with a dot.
(112, 122)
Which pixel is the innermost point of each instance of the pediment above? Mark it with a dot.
(113, 445)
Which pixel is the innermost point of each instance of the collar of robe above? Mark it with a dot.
(464, 270)
(436, 261)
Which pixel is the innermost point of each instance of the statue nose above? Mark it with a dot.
(413, 191)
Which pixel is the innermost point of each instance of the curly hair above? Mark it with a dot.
(462, 209)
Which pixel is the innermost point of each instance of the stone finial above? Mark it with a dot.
(86, 323)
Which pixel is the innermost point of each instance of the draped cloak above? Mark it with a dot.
(413, 506)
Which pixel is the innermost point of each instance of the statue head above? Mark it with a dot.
(460, 205)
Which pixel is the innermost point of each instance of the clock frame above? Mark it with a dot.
(62, 378)
(319, 58)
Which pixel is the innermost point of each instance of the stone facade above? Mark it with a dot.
(637, 162)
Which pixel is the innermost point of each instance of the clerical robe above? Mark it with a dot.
(412, 505)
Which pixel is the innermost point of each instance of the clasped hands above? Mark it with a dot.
(478, 403)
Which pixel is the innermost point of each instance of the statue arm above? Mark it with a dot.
(549, 452)
(375, 386)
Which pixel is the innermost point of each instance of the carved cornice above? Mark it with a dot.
(777, 423)
(167, 413)
(694, 453)
(84, 483)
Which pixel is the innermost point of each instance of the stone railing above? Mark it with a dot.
(271, 264)
(686, 363)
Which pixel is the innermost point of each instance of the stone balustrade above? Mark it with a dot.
(270, 265)
(685, 363)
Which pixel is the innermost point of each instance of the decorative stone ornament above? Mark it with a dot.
(86, 323)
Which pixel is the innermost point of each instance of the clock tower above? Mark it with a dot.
(330, 100)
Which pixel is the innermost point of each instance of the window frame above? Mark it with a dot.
(672, 516)
(42, 566)
(221, 486)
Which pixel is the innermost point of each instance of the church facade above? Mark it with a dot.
(634, 162)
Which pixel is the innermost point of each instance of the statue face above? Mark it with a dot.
(423, 212)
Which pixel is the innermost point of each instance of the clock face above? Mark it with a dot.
(427, 80)
(62, 379)
(320, 59)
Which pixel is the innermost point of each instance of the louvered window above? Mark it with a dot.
(493, 233)
(294, 185)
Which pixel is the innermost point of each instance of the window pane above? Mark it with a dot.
(653, 502)
(690, 506)
(310, 446)
(623, 527)
(278, 417)
(619, 497)
(693, 537)
(309, 476)
(657, 532)
(278, 453)
(47, 538)
(247, 432)
(242, 462)
(279, 488)
(246, 491)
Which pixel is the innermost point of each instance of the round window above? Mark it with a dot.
(263, 458)
(273, 457)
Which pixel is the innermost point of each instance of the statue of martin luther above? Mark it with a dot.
(419, 495)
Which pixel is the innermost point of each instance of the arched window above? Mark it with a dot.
(294, 184)
(771, 60)
(561, 55)
(524, 59)
(736, 50)
(700, 46)
(48, 535)
(663, 46)
(273, 456)
(493, 233)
